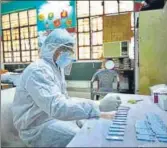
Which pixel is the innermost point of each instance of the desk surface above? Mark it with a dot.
(93, 132)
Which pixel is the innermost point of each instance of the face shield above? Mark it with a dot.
(65, 58)
(69, 48)
(58, 48)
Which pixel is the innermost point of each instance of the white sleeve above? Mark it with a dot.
(48, 97)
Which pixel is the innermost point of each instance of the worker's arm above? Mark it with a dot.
(41, 87)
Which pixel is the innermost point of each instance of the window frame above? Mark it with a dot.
(90, 30)
(19, 39)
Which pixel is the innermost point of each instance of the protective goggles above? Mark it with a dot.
(67, 49)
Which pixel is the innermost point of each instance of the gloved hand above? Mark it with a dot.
(107, 115)
(110, 103)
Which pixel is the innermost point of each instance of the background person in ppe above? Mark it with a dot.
(43, 113)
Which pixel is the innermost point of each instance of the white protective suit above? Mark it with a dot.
(43, 113)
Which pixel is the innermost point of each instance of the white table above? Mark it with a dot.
(93, 132)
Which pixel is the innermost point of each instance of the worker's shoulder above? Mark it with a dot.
(105, 71)
(37, 66)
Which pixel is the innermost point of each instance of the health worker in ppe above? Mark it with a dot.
(43, 113)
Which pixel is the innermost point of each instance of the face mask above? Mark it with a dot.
(67, 69)
(64, 60)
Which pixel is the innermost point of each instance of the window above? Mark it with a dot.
(126, 6)
(84, 39)
(96, 8)
(84, 52)
(110, 7)
(19, 37)
(5, 22)
(97, 37)
(82, 8)
(97, 24)
(83, 25)
(90, 25)
(89, 14)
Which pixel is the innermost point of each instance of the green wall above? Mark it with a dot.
(83, 70)
(18, 5)
(153, 49)
(112, 49)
